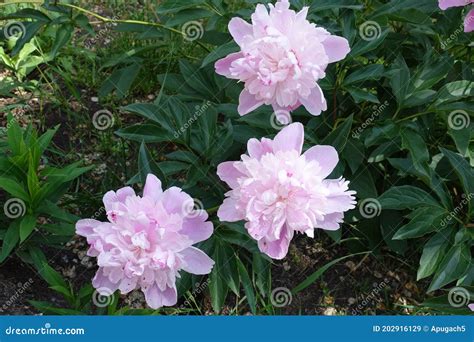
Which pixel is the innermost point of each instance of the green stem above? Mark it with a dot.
(413, 116)
(108, 20)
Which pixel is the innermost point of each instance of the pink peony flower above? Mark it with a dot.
(147, 242)
(282, 57)
(469, 20)
(280, 191)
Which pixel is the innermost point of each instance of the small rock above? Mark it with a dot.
(330, 311)
(94, 99)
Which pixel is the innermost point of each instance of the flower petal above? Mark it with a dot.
(228, 173)
(336, 48)
(228, 212)
(469, 21)
(196, 229)
(315, 102)
(223, 65)
(445, 4)
(239, 29)
(152, 187)
(277, 249)
(197, 262)
(257, 148)
(247, 102)
(326, 156)
(86, 227)
(289, 138)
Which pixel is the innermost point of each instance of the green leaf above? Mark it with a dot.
(465, 173)
(217, 289)
(15, 137)
(363, 46)
(369, 72)
(153, 113)
(26, 226)
(455, 91)
(422, 221)
(28, 13)
(220, 52)
(173, 6)
(338, 137)
(433, 252)
(322, 5)
(31, 28)
(400, 80)
(121, 80)
(63, 35)
(248, 287)
(146, 165)
(14, 188)
(10, 239)
(406, 197)
(415, 144)
(316, 275)
(361, 95)
(145, 133)
(226, 263)
(452, 267)
(262, 269)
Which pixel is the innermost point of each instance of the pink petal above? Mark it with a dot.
(469, 21)
(256, 149)
(445, 4)
(315, 102)
(289, 138)
(223, 65)
(120, 196)
(228, 173)
(170, 296)
(156, 298)
(197, 262)
(228, 212)
(247, 102)
(239, 29)
(471, 306)
(86, 227)
(152, 187)
(336, 48)
(103, 284)
(326, 156)
(331, 221)
(176, 201)
(277, 249)
(196, 229)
